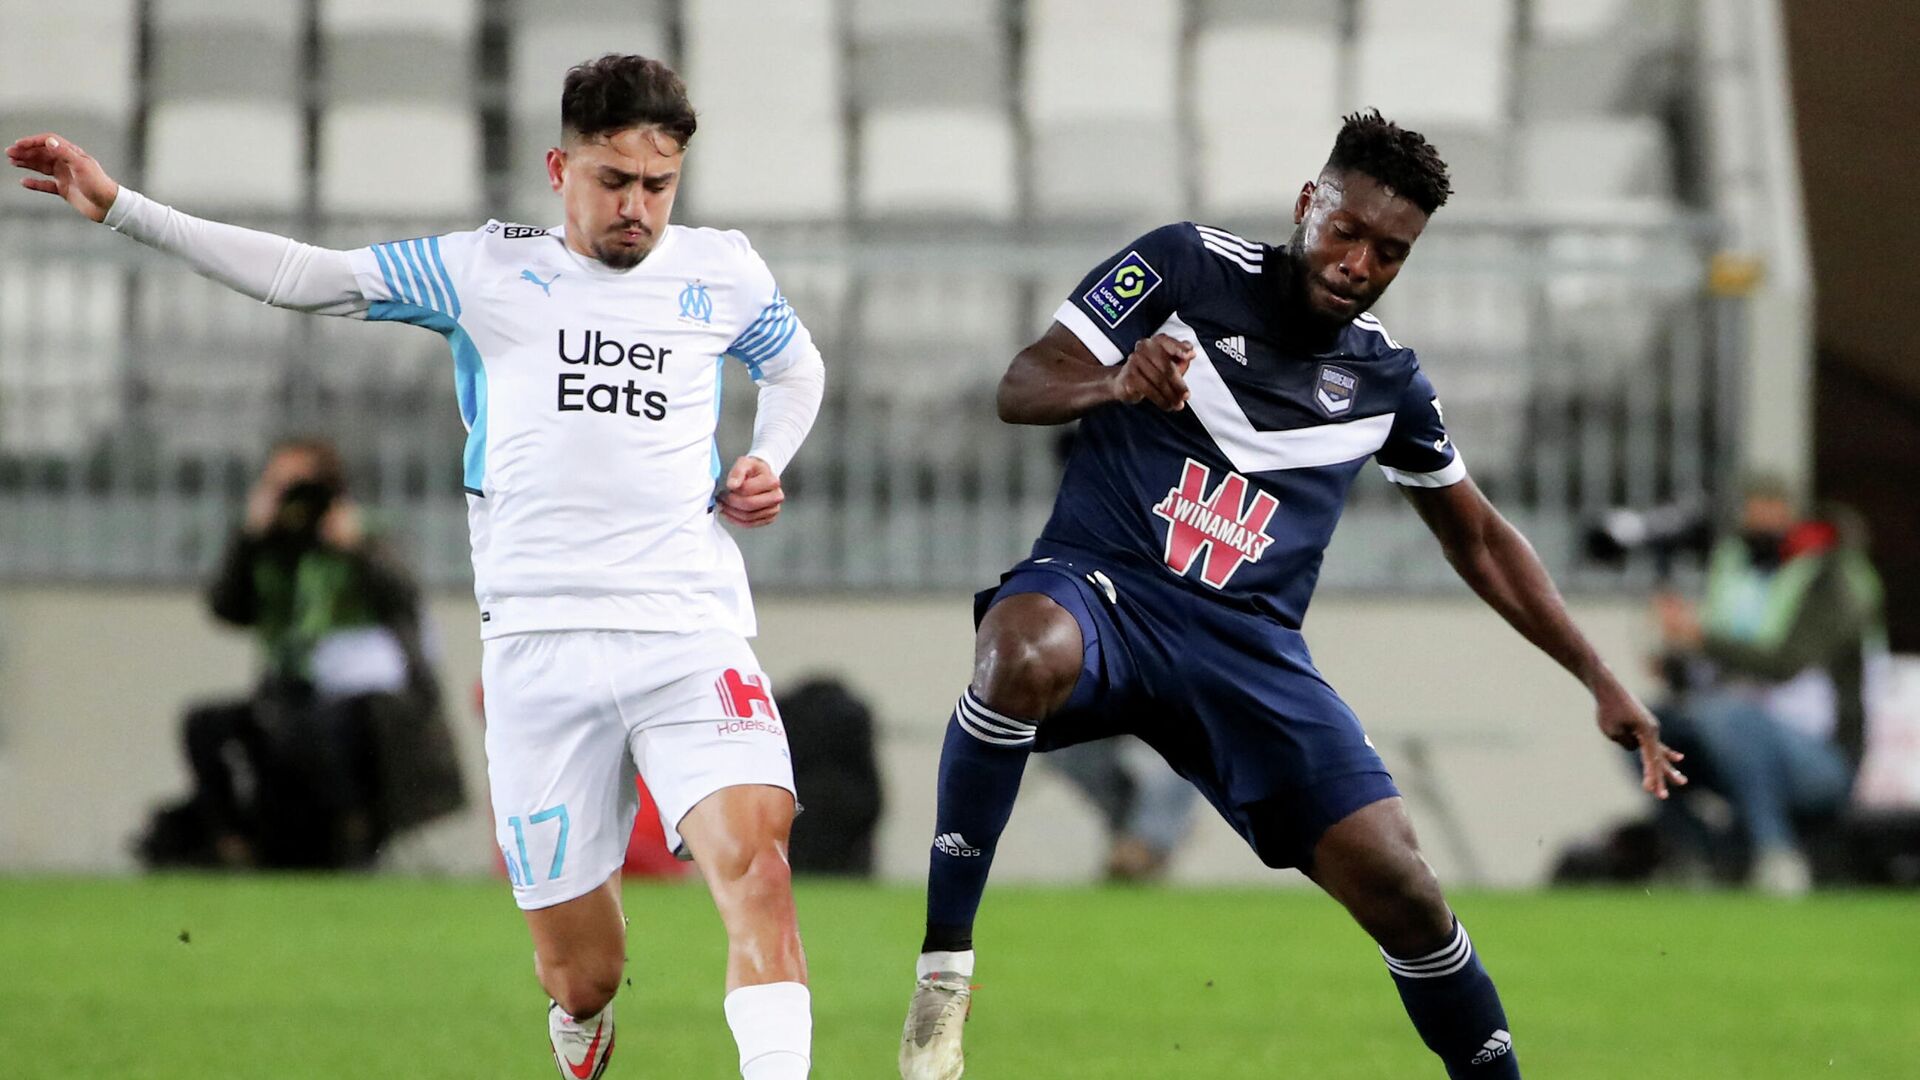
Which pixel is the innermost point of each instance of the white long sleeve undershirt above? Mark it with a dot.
(789, 402)
(262, 265)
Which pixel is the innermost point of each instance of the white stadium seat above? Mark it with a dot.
(1101, 102)
(938, 162)
(1107, 170)
(45, 44)
(1424, 79)
(42, 45)
(1597, 20)
(454, 19)
(880, 17)
(1265, 103)
(62, 353)
(772, 139)
(396, 158)
(1092, 60)
(1486, 22)
(261, 163)
(1596, 160)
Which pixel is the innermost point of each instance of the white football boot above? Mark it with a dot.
(580, 1050)
(930, 1045)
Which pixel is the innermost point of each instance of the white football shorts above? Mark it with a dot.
(572, 715)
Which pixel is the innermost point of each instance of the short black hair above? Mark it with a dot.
(1402, 160)
(617, 91)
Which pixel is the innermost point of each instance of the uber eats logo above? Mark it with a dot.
(584, 391)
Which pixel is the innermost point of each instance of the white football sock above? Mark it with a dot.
(773, 1026)
(957, 963)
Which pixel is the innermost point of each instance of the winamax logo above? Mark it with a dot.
(1221, 530)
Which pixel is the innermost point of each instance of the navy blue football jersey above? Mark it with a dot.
(1238, 494)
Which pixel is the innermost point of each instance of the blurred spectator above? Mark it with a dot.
(1768, 675)
(1147, 807)
(341, 743)
(830, 734)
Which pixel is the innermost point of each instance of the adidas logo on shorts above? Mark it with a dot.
(1496, 1046)
(956, 845)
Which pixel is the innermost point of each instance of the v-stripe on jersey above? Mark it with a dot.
(1237, 495)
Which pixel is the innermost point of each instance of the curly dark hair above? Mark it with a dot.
(616, 92)
(1402, 160)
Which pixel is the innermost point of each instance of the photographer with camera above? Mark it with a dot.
(342, 741)
(1768, 676)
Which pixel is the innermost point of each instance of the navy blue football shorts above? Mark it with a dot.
(1231, 700)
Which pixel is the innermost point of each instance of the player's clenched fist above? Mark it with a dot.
(753, 495)
(1156, 371)
(75, 176)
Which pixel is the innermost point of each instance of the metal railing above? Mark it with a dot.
(1580, 362)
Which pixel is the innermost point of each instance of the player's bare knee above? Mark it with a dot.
(1403, 908)
(767, 879)
(582, 987)
(1027, 657)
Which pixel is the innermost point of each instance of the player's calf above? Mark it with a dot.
(579, 949)
(1371, 863)
(738, 836)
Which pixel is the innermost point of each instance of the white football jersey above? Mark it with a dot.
(591, 398)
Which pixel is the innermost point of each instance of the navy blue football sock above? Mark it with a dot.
(980, 766)
(1456, 1009)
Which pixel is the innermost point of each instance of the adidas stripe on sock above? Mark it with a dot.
(1441, 962)
(991, 727)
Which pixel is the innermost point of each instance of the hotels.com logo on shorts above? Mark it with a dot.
(745, 698)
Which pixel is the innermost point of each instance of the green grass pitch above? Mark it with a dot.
(350, 977)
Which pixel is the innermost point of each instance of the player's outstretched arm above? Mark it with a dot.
(1058, 379)
(269, 268)
(1493, 558)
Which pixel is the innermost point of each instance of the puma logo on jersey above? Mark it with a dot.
(545, 286)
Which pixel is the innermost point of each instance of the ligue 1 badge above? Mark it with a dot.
(1335, 390)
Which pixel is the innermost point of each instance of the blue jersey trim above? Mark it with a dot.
(469, 380)
(416, 275)
(446, 279)
(386, 271)
(429, 296)
(766, 336)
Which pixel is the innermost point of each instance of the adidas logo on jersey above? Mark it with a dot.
(956, 845)
(1235, 346)
(1497, 1045)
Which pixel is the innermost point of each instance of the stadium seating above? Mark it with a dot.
(1102, 105)
(935, 133)
(1265, 110)
(400, 132)
(62, 356)
(1588, 57)
(768, 79)
(547, 39)
(41, 49)
(873, 123)
(227, 74)
(1584, 161)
